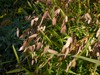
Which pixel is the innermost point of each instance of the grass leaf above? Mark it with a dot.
(46, 37)
(97, 62)
(15, 71)
(29, 4)
(17, 58)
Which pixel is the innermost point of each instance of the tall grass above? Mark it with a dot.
(61, 39)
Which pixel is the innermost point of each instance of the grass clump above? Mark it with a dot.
(61, 39)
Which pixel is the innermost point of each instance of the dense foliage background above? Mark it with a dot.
(49, 37)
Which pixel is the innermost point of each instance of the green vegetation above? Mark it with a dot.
(50, 37)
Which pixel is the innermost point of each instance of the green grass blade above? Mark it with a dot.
(16, 55)
(15, 71)
(46, 37)
(62, 12)
(97, 62)
(17, 58)
(29, 4)
(27, 71)
(71, 72)
(6, 62)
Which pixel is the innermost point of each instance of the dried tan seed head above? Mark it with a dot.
(68, 42)
(66, 18)
(32, 48)
(23, 46)
(88, 17)
(34, 20)
(52, 51)
(46, 49)
(56, 12)
(98, 32)
(17, 32)
(54, 21)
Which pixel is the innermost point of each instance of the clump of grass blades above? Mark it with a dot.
(63, 39)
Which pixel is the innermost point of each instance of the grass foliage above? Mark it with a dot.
(51, 37)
